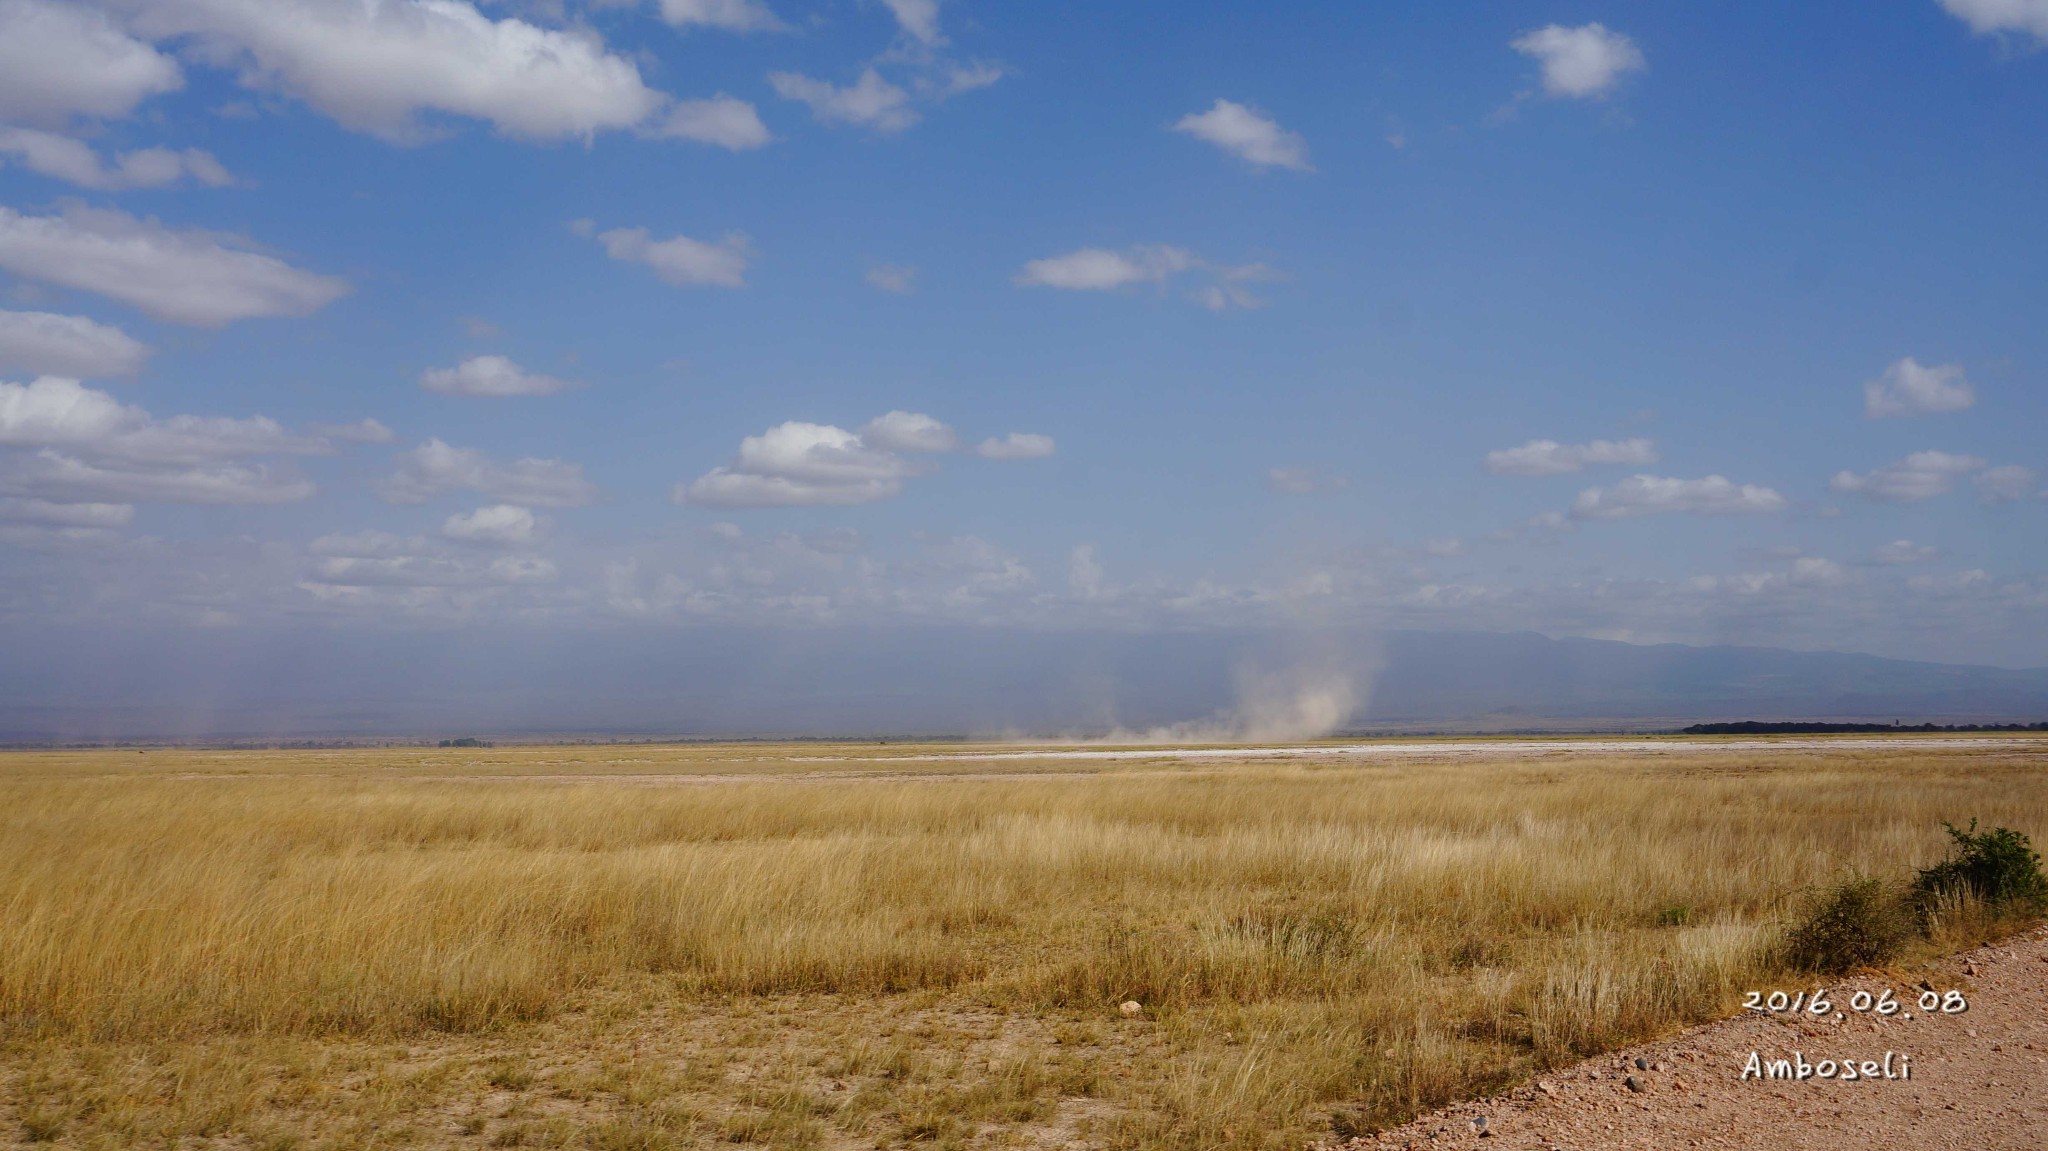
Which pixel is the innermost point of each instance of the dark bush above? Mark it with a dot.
(1676, 915)
(1858, 923)
(1998, 867)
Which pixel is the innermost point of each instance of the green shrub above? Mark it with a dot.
(1999, 867)
(1676, 915)
(1858, 923)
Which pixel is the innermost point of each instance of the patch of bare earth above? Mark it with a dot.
(1978, 1078)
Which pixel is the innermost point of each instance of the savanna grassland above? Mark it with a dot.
(839, 946)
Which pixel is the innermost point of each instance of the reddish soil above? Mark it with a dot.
(1978, 1080)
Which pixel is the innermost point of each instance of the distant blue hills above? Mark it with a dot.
(74, 686)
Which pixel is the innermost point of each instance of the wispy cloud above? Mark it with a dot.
(1303, 481)
(492, 376)
(1550, 458)
(725, 15)
(1992, 17)
(723, 121)
(1646, 495)
(1920, 476)
(1909, 388)
(73, 161)
(186, 277)
(896, 279)
(435, 469)
(1251, 136)
(869, 102)
(800, 464)
(1016, 446)
(678, 260)
(1106, 270)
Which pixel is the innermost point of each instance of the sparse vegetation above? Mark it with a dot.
(1861, 922)
(1999, 868)
(1985, 881)
(358, 948)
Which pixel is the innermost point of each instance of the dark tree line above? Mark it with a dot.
(1759, 727)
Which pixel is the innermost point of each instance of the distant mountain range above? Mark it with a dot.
(197, 685)
(1494, 677)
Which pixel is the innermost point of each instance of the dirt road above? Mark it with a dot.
(1977, 1079)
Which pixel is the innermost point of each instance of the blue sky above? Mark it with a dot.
(1699, 323)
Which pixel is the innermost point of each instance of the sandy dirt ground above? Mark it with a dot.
(1978, 1078)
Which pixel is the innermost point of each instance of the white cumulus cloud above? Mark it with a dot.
(1247, 134)
(870, 102)
(377, 66)
(435, 469)
(1912, 389)
(191, 277)
(901, 431)
(44, 343)
(797, 464)
(1582, 62)
(498, 525)
(1990, 17)
(66, 443)
(1550, 458)
(724, 121)
(493, 376)
(1645, 495)
(54, 412)
(63, 60)
(681, 260)
(1920, 476)
(73, 161)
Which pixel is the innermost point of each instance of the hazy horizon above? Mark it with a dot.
(1213, 686)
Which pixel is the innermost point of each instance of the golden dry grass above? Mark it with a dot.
(581, 956)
